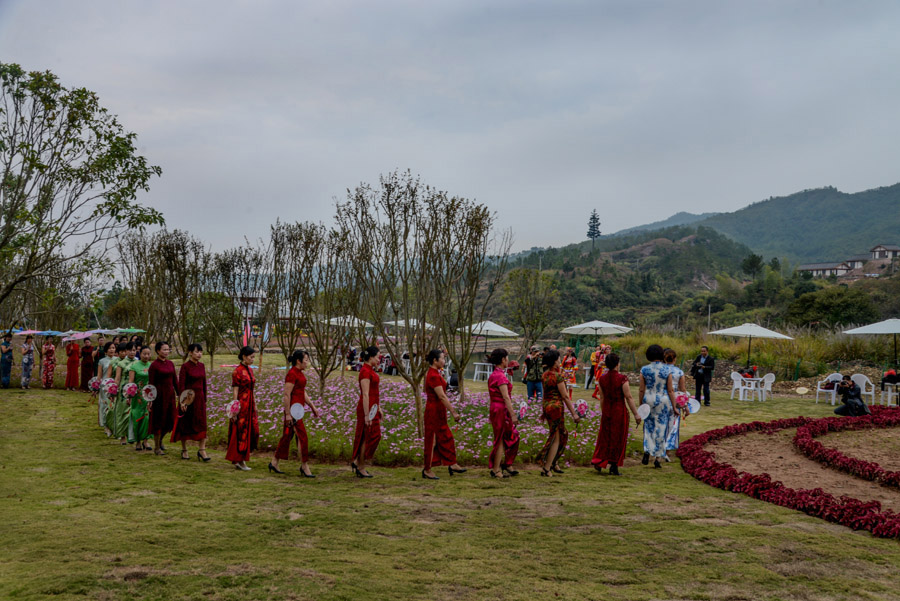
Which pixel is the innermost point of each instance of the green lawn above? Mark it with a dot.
(85, 518)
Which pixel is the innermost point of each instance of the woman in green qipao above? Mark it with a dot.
(109, 354)
(139, 427)
(121, 421)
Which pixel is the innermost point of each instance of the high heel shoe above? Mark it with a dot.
(509, 470)
(202, 458)
(502, 475)
(243, 468)
(452, 471)
(185, 455)
(359, 474)
(427, 477)
(556, 469)
(656, 464)
(614, 469)
(545, 472)
(305, 475)
(272, 468)
(646, 459)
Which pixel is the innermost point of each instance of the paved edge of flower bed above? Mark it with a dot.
(846, 511)
(806, 443)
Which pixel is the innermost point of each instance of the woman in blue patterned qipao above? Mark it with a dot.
(656, 391)
(678, 383)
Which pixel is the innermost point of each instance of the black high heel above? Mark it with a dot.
(614, 469)
(656, 464)
(452, 471)
(202, 458)
(502, 475)
(545, 472)
(509, 470)
(272, 468)
(305, 475)
(646, 459)
(556, 469)
(427, 477)
(359, 474)
(183, 453)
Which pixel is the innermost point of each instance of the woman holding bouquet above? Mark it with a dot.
(294, 394)
(368, 427)
(73, 352)
(103, 372)
(162, 414)
(440, 449)
(678, 383)
(503, 418)
(120, 412)
(190, 423)
(48, 362)
(656, 391)
(556, 400)
(139, 414)
(87, 364)
(614, 393)
(243, 429)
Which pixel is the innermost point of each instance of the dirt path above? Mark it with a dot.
(775, 454)
(879, 445)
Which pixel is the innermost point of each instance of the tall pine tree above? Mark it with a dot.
(593, 227)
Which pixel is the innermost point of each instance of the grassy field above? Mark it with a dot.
(85, 518)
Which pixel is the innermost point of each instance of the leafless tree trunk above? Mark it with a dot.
(531, 297)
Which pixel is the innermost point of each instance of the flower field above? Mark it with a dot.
(331, 435)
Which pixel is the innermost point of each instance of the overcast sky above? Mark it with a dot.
(541, 110)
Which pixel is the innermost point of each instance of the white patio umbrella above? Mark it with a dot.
(104, 332)
(488, 329)
(750, 331)
(411, 323)
(597, 328)
(348, 321)
(888, 326)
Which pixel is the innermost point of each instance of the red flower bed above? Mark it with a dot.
(846, 511)
(806, 443)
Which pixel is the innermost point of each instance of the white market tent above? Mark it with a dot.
(596, 328)
(412, 323)
(751, 331)
(488, 329)
(888, 326)
(348, 321)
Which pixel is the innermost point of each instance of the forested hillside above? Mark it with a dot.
(677, 219)
(815, 225)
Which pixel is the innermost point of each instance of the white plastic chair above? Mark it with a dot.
(867, 389)
(835, 377)
(737, 384)
(889, 393)
(765, 388)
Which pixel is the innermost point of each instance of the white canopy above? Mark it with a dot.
(411, 323)
(488, 328)
(104, 332)
(596, 328)
(751, 330)
(888, 326)
(348, 321)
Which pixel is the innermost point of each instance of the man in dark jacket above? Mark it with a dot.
(851, 399)
(702, 372)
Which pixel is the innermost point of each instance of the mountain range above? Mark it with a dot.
(817, 225)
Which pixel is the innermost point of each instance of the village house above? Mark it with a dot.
(885, 251)
(857, 261)
(822, 270)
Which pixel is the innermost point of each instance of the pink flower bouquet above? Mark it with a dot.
(131, 390)
(233, 409)
(112, 389)
(523, 410)
(581, 408)
(682, 399)
(94, 384)
(148, 393)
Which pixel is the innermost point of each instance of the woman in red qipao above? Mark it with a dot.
(556, 400)
(503, 418)
(190, 422)
(243, 430)
(440, 449)
(73, 352)
(87, 365)
(162, 410)
(368, 429)
(613, 392)
(295, 393)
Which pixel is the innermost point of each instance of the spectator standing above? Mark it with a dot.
(702, 372)
(595, 361)
(534, 375)
(6, 359)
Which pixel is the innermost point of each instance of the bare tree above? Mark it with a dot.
(69, 175)
(531, 297)
(143, 303)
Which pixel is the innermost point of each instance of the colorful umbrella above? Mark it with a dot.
(130, 331)
(77, 336)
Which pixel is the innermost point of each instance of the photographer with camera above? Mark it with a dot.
(533, 375)
(851, 400)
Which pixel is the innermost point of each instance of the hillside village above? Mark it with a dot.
(880, 260)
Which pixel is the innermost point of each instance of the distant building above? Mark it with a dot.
(821, 270)
(857, 261)
(885, 251)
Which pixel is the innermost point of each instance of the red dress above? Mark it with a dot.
(298, 395)
(191, 425)
(87, 365)
(554, 413)
(613, 434)
(505, 432)
(440, 449)
(243, 433)
(371, 434)
(162, 411)
(72, 353)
